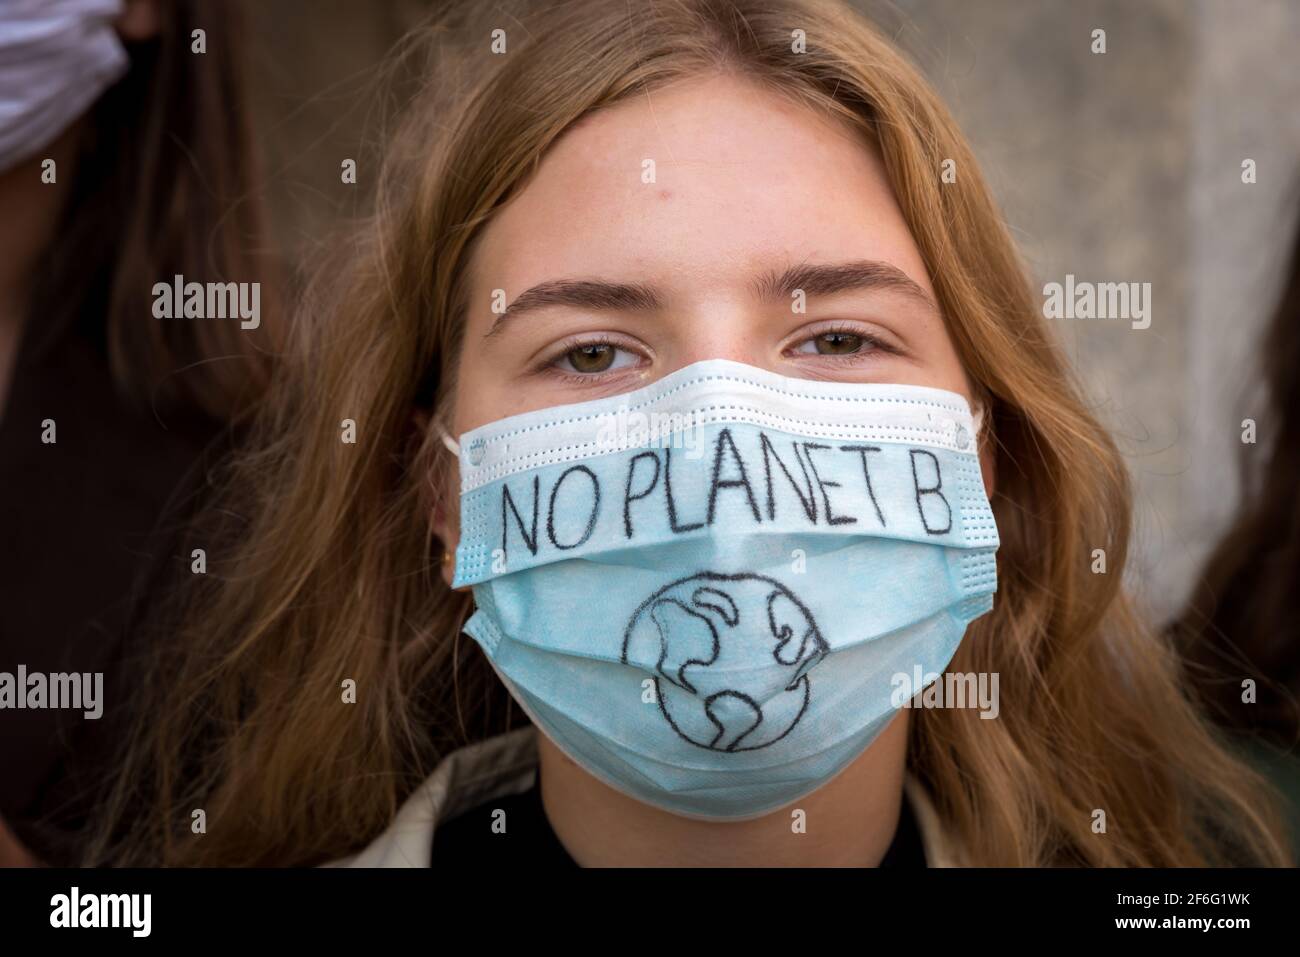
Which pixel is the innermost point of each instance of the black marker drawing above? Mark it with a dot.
(693, 636)
(935, 490)
(657, 489)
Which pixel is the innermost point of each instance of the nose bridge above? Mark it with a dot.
(721, 324)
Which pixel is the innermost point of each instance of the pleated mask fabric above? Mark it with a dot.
(705, 591)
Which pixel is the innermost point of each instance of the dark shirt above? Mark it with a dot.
(79, 526)
(468, 839)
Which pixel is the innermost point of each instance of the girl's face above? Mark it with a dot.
(678, 227)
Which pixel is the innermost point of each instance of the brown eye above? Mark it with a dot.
(838, 343)
(595, 357)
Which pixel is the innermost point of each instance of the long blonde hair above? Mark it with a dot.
(324, 568)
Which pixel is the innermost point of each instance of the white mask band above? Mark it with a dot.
(56, 58)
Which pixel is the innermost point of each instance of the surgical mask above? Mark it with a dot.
(706, 591)
(56, 58)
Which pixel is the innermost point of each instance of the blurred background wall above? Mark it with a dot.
(1115, 167)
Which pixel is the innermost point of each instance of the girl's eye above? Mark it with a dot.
(833, 344)
(594, 357)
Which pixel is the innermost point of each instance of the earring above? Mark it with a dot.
(449, 561)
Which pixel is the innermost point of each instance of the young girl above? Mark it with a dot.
(736, 212)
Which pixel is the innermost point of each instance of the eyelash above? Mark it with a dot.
(870, 341)
(547, 366)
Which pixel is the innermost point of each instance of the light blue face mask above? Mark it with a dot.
(704, 591)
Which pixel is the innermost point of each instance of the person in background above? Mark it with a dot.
(124, 161)
(1240, 622)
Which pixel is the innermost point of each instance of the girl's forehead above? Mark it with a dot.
(697, 182)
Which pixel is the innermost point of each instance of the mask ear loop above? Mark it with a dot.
(449, 556)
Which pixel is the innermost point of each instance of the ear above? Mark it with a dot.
(439, 483)
(141, 20)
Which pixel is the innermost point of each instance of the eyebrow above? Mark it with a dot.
(826, 279)
(814, 279)
(591, 293)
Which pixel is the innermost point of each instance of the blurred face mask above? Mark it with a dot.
(56, 58)
(705, 591)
